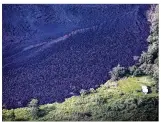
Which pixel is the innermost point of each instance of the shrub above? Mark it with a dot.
(34, 108)
(92, 90)
(118, 72)
(122, 106)
(138, 72)
(150, 69)
(100, 100)
(147, 68)
(155, 72)
(83, 92)
(132, 69)
(156, 61)
(153, 37)
(153, 49)
(140, 102)
(146, 58)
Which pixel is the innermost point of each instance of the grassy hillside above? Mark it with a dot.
(122, 101)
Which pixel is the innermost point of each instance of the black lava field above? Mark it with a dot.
(51, 52)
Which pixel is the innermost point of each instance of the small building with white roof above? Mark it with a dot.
(144, 89)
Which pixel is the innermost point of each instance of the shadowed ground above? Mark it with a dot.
(51, 51)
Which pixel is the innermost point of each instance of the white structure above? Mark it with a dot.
(145, 89)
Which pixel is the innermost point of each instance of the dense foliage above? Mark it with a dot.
(149, 60)
(118, 72)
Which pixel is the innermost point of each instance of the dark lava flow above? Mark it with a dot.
(50, 52)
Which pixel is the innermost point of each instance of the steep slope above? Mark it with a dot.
(125, 102)
(52, 68)
(122, 100)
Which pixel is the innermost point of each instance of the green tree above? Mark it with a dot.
(34, 108)
(118, 72)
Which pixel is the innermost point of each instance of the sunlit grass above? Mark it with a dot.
(106, 103)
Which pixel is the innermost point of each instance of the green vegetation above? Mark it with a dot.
(149, 61)
(33, 105)
(119, 100)
(123, 101)
(118, 72)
